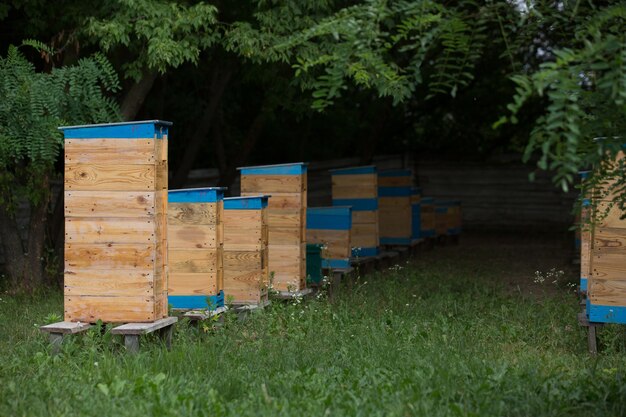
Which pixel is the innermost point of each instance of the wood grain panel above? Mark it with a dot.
(109, 283)
(395, 181)
(285, 236)
(192, 237)
(242, 260)
(192, 213)
(192, 260)
(269, 184)
(90, 309)
(608, 292)
(337, 242)
(364, 217)
(110, 151)
(193, 283)
(95, 177)
(109, 256)
(109, 230)
(608, 266)
(109, 204)
(609, 215)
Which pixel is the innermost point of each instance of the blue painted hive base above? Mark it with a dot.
(190, 302)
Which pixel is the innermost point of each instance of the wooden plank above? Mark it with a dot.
(364, 217)
(404, 181)
(192, 283)
(285, 201)
(285, 236)
(337, 242)
(355, 180)
(192, 213)
(110, 230)
(192, 260)
(286, 218)
(269, 184)
(110, 151)
(109, 256)
(239, 238)
(355, 191)
(608, 292)
(65, 327)
(95, 177)
(144, 328)
(609, 215)
(242, 218)
(109, 204)
(90, 309)
(192, 237)
(109, 282)
(608, 266)
(364, 241)
(609, 240)
(364, 229)
(392, 203)
(242, 260)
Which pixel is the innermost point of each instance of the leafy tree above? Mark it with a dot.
(34, 105)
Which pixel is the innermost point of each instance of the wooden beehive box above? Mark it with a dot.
(453, 223)
(441, 219)
(606, 287)
(394, 206)
(583, 231)
(115, 222)
(286, 213)
(246, 273)
(195, 248)
(416, 195)
(358, 187)
(427, 206)
(330, 226)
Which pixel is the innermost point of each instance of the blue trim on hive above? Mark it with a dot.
(427, 232)
(255, 202)
(363, 252)
(586, 202)
(196, 195)
(329, 218)
(606, 314)
(196, 301)
(145, 129)
(584, 174)
(394, 191)
(577, 243)
(427, 200)
(453, 231)
(335, 263)
(395, 173)
(369, 169)
(416, 220)
(296, 168)
(583, 284)
(395, 240)
(358, 204)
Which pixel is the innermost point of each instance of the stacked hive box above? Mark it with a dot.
(427, 206)
(415, 213)
(115, 222)
(606, 291)
(246, 277)
(331, 226)
(286, 184)
(195, 248)
(583, 231)
(394, 206)
(358, 187)
(452, 214)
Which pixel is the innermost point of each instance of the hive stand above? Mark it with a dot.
(243, 311)
(58, 331)
(132, 332)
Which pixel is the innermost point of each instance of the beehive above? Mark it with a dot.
(115, 222)
(246, 276)
(195, 248)
(427, 206)
(394, 206)
(286, 214)
(452, 218)
(441, 219)
(606, 286)
(583, 232)
(331, 226)
(358, 187)
(416, 194)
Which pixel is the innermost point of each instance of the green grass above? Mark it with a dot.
(443, 336)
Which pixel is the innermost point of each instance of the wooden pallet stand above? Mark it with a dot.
(291, 294)
(115, 222)
(195, 248)
(287, 184)
(243, 311)
(358, 187)
(246, 271)
(60, 330)
(133, 331)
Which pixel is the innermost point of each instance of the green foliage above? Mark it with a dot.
(584, 87)
(160, 34)
(34, 105)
